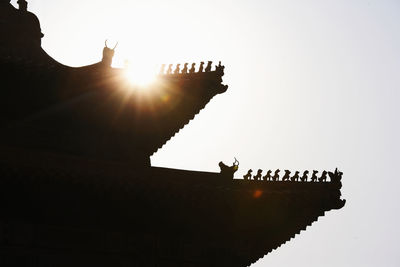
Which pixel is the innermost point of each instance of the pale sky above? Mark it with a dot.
(312, 85)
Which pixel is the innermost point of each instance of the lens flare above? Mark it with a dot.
(257, 193)
(165, 98)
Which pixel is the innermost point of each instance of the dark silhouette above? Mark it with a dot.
(20, 31)
(177, 69)
(108, 54)
(208, 68)
(286, 176)
(258, 175)
(229, 171)
(201, 66)
(323, 177)
(193, 68)
(169, 70)
(185, 68)
(295, 177)
(276, 175)
(267, 177)
(248, 175)
(336, 176)
(219, 67)
(23, 5)
(314, 176)
(305, 176)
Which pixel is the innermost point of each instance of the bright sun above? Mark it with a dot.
(139, 75)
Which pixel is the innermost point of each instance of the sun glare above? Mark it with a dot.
(139, 75)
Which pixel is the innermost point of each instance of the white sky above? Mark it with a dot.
(312, 85)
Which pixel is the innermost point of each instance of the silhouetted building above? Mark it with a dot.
(76, 185)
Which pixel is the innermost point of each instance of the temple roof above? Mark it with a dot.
(60, 107)
(76, 181)
(222, 222)
(77, 104)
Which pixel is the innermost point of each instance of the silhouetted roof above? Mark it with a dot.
(224, 222)
(76, 182)
(61, 108)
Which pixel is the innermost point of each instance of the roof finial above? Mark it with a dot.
(23, 5)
